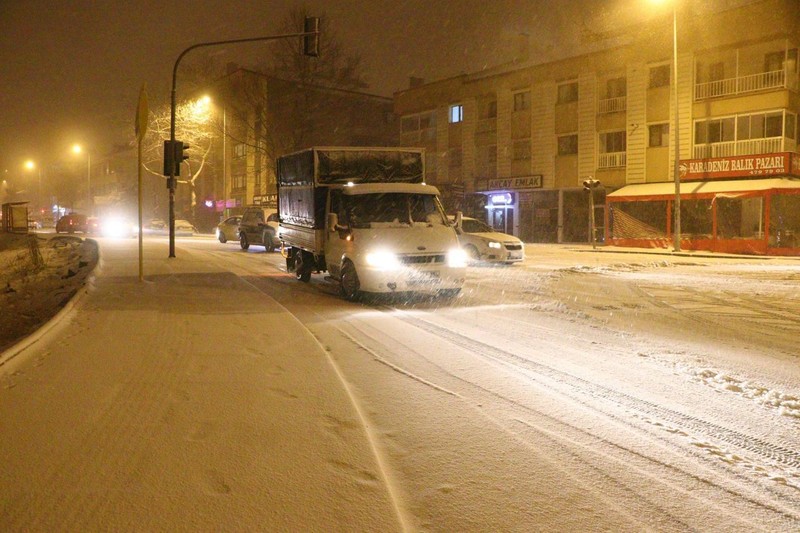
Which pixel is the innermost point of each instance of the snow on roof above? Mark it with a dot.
(705, 187)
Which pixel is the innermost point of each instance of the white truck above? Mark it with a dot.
(366, 216)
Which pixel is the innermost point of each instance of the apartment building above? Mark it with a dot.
(513, 145)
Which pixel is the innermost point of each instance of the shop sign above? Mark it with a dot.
(522, 182)
(743, 166)
(269, 200)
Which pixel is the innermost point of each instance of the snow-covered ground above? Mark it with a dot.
(579, 390)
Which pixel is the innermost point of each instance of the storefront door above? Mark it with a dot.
(502, 219)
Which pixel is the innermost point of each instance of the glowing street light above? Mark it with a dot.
(30, 165)
(77, 149)
(676, 206)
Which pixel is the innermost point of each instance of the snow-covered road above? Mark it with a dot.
(578, 391)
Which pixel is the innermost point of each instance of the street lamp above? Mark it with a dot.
(77, 149)
(676, 205)
(31, 166)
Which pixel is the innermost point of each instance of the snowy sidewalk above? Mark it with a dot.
(191, 401)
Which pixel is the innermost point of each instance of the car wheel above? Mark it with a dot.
(267, 240)
(243, 242)
(222, 238)
(449, 293)
(303, 264)
(349, 285)
(472, 253)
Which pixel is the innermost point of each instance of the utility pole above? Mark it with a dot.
(310, 35)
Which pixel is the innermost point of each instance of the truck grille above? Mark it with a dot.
(422, 259)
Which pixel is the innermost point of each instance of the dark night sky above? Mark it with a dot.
(71, 71)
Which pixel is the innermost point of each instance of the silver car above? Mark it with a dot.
(484, 243)
(228, 229)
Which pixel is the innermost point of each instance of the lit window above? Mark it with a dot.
(239, 150)
(456, 113)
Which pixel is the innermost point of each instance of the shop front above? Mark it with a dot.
(743, 204)
(508, 205)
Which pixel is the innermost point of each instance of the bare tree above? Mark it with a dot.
(193, 126)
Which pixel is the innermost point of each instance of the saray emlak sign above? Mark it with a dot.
(741, 166)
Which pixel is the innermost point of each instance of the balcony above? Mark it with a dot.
(776, 79)
(768, 145)
(612, 160)
(612, 105)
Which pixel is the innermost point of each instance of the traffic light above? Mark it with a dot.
(169, 158)
(180, 155)
(311, 42)
(590, 183)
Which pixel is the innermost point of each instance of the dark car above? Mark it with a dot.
(71, 223)
(259, 226)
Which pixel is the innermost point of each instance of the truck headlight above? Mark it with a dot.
(383, 260)
(493, 244)
(457, 258)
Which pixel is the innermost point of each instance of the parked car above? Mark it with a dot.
(184, 228)
(93, 225)
(156, 226)
(71, 223)
(259, 226)
(228, 229)
(484, 243)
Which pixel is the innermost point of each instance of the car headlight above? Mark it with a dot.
(383, 260)
(457, 258)
(493, 244)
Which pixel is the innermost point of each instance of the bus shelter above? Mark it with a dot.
(747, 216)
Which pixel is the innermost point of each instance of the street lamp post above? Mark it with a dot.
(78, 149)
(676, 231)
(31, 165)
(311, 30)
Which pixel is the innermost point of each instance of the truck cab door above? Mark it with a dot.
(336, 231)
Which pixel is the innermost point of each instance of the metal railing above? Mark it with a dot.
(731, 148)
(612, 160)
(740, 85)
(612, 105)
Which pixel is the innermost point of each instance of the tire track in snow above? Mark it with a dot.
(780, 454)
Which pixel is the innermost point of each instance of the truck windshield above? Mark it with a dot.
(393, 209)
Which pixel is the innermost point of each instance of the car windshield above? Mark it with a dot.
(392, 210)
(475, 226)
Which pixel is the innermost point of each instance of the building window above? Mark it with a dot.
(659, 135)
(568, 92)
(568, 144)
(715, 131)
(616, 88)
(238, 181)
(257, 180)
(659, 76)
(456, 113)
(490, 109)
(521, 150)
(417, 122)
(716, 71)
(612, 142)
(522, 101)
(239, 150)
(774, 61)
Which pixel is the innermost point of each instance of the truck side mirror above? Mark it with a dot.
(458, 220)
(333, 221)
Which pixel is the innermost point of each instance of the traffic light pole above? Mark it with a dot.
(310, 47)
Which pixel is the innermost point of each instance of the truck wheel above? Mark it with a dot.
(290, 259)
(349, 285)
(303, 264)
(243, 242)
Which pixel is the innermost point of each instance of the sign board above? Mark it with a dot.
(269, 200)
(742, 166)
(521, 182)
